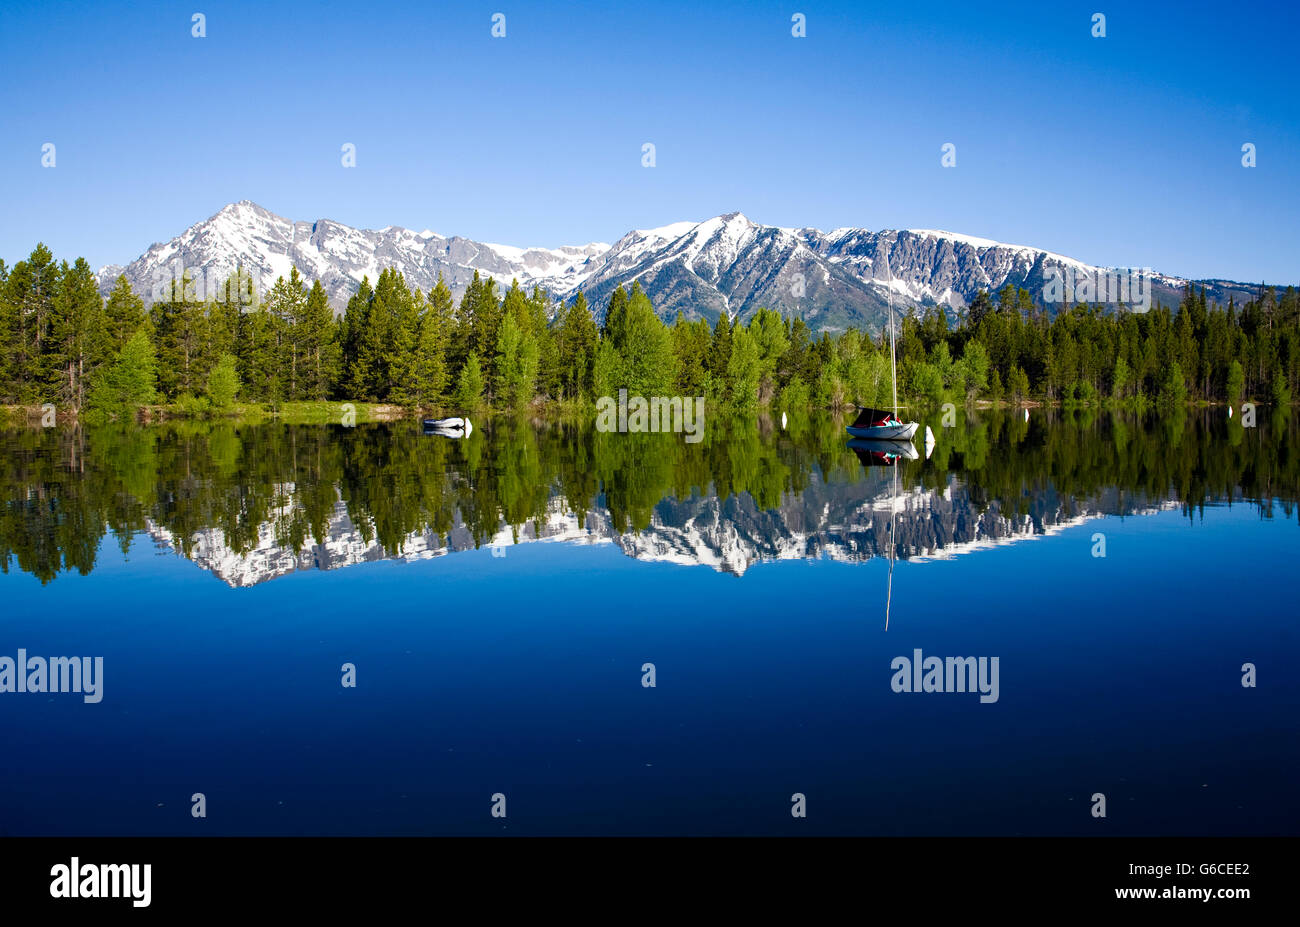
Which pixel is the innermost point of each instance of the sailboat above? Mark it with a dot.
(881, 424)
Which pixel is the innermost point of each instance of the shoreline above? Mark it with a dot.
(332, 412)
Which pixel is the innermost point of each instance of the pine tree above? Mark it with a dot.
(517, 362)
(353, 326)
(259, 358)
(124, 314)
(720, 354)
(461, 342)
(614, 314)
(403, 308)
(577, 350)
(78, 341)
(1018, 384)
(486, 313)
(6, 334)
(548, 351)
(691, 344)
(182, 337)
(387, 339)
(427, 381)
(287, 304)
(319, 346)
(28, 306)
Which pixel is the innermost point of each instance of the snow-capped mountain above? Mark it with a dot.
(728, 263)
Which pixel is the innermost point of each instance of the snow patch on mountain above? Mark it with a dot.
(726, 263)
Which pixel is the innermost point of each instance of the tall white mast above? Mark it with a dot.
(893, 370)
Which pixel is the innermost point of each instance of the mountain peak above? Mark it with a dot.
(728, 263)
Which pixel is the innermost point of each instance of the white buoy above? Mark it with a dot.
(1229, 411)
(929, 442)
(783, 421)
(1026, 415)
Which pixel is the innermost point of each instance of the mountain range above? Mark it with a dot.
(833, 280)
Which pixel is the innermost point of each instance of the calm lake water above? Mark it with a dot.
(499, 597)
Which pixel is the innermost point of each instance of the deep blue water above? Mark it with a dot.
(522, 675)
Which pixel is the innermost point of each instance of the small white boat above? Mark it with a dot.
(448, 427)
(880, 425)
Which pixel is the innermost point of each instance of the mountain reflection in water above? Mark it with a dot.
(253, 502)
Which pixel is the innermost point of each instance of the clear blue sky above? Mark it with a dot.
(1121, 151)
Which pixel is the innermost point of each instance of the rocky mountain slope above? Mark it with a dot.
(727, 264)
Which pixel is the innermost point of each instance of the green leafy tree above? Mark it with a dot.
(768, 331)
(973, 370)
(927, 382)
(223, 382)
(645, 347)
(130, 380)
(744, 369)
(1173, 391)
(1236, 386)
(607, 372)
(1121, 378)
(469, 389)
